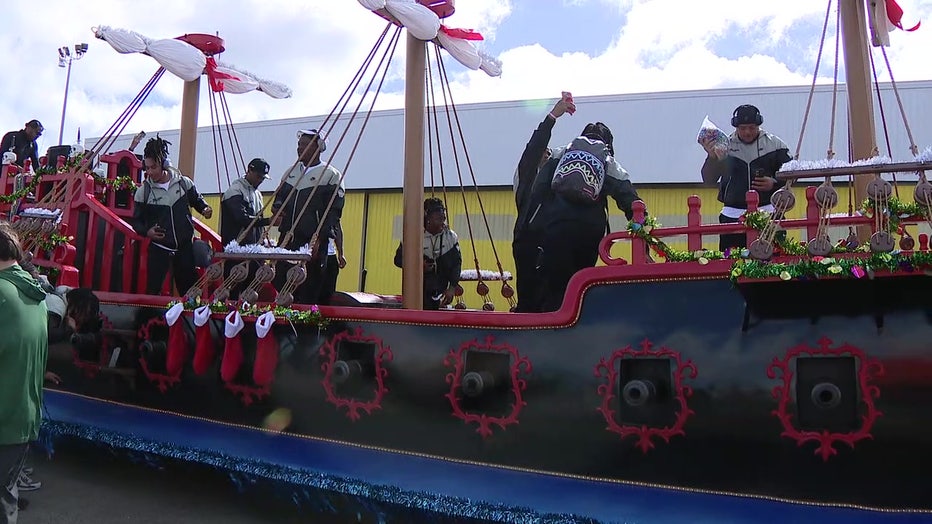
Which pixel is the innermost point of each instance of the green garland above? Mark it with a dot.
(848, 267)
(311, 316)
(897, 211)
(53, 240)
(30, 188)
(121, 182)
(857, 266)
(74, 163)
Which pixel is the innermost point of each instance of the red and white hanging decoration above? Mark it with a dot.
(263, 370)
(204, 349)
(177, 341)
(233, 347)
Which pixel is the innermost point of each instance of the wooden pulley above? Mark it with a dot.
(882, 242)
(761, 249)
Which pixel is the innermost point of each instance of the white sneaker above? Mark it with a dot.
(24, 483)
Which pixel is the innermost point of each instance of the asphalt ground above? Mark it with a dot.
(89, 485)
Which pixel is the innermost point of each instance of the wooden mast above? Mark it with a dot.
(861, 129)
(188, 137)
(412, 238)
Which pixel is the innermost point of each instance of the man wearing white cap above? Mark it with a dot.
(297, 187)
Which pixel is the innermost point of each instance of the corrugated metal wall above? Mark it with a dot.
(655, 133)
(372, 230)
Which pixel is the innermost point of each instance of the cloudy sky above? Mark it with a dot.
(589, 47)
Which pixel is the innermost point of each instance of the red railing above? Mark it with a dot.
(96, 214)
(695, 230)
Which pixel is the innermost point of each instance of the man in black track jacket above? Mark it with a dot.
(242, 203)
(162, 213)
(753, 159)
(304, 196)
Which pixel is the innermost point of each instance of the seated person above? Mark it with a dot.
(443, 260)
(74, 316)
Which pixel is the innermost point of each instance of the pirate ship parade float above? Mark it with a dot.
(791, 379)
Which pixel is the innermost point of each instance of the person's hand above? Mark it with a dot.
(429, 264)
(341, 261)
(52, 377)
(709, 145)
(447, 297)
(561, 107)
(208, 212)
(155, 233)
(763, 183)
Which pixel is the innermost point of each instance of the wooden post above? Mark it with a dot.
(188, 140)
(860, 100)
(412, 238)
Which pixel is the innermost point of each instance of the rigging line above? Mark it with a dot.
(389, 52)
(815, 76)
(214, 131)
(886, 132)
(899, 101)
(238, 151)
(831, 135)
(444, 86)
(883, 120)
(107, 140)
(120, 125)
(349, 88)
(472, 172)
(393, 45)
(883, 116)
(443, 180)
(142, 93)
(223, 140)
(104, 142)
(430, 135)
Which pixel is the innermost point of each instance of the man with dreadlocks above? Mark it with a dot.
(162, 213)
(443, 260)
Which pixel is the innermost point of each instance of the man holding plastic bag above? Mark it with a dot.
(747, 160)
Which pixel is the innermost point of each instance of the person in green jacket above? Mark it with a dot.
(23, 353)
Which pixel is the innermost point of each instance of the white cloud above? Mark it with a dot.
(316, 47)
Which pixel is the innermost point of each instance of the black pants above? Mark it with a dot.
(328, 285)
(726, 241)
(567, 248)
(309, 291)
(180, 263)
(528, 284)
(737, 240)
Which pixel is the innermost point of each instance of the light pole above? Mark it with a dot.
(65, 57)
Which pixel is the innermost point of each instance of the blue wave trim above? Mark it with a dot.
(426, 484)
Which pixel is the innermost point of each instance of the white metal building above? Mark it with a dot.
(655, 133)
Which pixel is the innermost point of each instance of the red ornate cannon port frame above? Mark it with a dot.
(867, 369)
(607, 369)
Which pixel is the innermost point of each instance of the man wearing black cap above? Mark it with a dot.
(23, 143)
(242, 203)
(753, 159)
